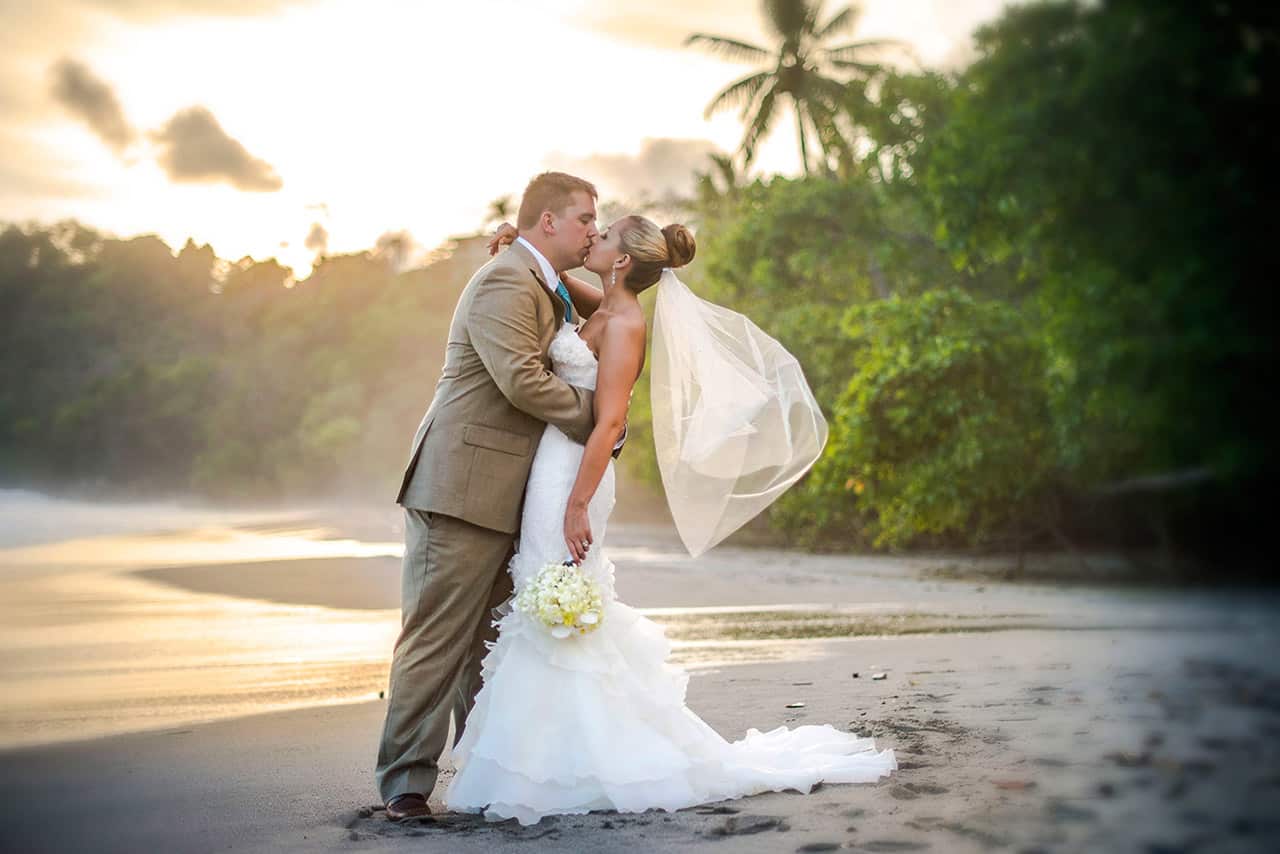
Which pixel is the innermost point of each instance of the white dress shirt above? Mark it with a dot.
(549, 276)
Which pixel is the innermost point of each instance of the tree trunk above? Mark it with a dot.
(804, 147)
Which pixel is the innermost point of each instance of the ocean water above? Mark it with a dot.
(30, 518)
(89, 647)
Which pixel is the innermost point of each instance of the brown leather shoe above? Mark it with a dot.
(408, 805)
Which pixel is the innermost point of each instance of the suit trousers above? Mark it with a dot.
(454, 575)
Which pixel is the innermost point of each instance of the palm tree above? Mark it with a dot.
(802, 70)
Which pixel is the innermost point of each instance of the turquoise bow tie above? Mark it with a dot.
(564, 295)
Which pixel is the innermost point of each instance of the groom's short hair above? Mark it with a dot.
(550, 191)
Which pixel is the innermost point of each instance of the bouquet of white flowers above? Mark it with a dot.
(563, 599)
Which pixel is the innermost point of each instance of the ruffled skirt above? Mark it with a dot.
(599, 722)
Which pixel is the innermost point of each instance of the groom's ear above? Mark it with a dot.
(548, 222)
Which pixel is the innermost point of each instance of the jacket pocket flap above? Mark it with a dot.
(496, 440)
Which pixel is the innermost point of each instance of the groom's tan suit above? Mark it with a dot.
(462, 492)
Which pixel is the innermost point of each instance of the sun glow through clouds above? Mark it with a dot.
(391, 115)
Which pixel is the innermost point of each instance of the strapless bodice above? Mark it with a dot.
(572, 360)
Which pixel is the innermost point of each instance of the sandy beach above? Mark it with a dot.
(1025, 717)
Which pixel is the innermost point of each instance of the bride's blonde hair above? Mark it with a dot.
(652, 249)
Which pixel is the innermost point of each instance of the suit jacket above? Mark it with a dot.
(472, 452)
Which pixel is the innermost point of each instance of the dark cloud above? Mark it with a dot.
(663, 168)
(93, 101)
(195, 149)
(191, 147)
(317, 239)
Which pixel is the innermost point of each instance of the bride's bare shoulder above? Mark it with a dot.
(623, 337)
(625, 324)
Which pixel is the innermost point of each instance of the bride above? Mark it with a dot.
(597, 720)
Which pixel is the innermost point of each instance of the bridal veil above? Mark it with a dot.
(734, 421)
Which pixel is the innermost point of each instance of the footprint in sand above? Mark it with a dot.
(909, 791)
(927, 788)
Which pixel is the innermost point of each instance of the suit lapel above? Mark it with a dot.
(526, 258)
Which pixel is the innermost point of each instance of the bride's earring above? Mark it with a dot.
(613, 278)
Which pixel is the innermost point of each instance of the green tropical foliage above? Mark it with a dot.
(1121, 152)
(124, 365)
(942, 429)
(1093, 183)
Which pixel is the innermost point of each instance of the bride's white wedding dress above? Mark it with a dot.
(598, 721)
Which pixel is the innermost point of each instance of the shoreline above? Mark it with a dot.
(643, 519)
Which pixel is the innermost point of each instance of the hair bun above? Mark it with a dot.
(681, 246)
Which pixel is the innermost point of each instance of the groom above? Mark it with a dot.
(464, 484)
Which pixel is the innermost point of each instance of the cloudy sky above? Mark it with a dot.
(287, 127)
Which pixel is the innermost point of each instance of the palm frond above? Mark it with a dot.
(789, 19)
(842, 20)
(825, 120)
(811, 18)
(738, 51)
(869, 69)
(858, 50)
(761, 123)
(724, 164)
(739, 93)
(827, 92)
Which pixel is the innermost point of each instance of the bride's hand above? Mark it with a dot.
(505, 234)
(577, 532)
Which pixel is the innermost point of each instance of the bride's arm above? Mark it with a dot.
(504, 235)
(621, 357)
(586, 298)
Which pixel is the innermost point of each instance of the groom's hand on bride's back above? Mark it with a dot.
(622, 440)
